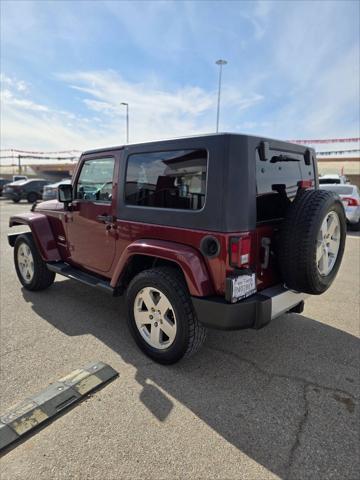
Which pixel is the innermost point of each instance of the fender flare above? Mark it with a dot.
(41, 232)
(187, 258)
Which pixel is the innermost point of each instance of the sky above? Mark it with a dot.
(66, 66)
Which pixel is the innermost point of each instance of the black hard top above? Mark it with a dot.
(170, 141)
(230, 204)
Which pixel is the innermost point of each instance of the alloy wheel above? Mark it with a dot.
(25, 262)
(155, 318)
(328, 243)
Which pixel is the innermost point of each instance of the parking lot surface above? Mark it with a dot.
(281, 402)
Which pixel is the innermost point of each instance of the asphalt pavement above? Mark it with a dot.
(282, 402)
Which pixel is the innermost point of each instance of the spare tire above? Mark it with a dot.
(312, 241)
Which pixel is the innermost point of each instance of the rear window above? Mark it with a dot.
(328, 181)
(340, 190)
(169, 179)
(277, 183)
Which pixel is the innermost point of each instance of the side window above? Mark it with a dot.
(172, 179)
(95, 180)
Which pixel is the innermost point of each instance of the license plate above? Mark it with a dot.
(243, 286)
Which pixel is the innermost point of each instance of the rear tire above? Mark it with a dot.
(312, 241)
(32, 197)
(30, 267)
(171, 332)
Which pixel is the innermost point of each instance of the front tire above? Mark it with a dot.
(30, 267)
(161, 317)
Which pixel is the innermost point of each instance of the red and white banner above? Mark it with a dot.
(337, 152)
(326, 140)
(14, 150)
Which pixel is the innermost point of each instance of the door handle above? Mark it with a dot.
(106, 218)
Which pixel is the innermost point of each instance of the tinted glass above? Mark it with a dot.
(95, 180)
(172, 179)
(328, 181)
(276, 185)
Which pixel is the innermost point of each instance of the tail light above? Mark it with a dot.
(305, 184)
(239, 251)
(350, 201)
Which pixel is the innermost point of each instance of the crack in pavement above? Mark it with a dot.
(306, 385)
(299, 432)
(295, 378)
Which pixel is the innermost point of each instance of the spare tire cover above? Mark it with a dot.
(312, 241)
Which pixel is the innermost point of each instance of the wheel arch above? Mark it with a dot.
(41, 232)
(144, 254)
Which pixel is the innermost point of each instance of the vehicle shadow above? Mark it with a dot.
(353, 233)
(284, 395)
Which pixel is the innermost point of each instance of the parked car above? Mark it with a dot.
(51, 191)
(350, 197)
(3, 182)
(218, 231)
(332, 179)
(30, 190)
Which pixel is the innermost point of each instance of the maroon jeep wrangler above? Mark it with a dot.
(223, 231)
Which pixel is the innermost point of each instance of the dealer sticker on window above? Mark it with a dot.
(243, 286)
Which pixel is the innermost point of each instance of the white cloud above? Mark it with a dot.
(8, 98)
(155, 113)
(11, 82)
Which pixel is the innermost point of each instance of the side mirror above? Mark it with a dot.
(65, 193)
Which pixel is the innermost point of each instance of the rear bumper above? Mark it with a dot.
(253, 312)
(352, 214)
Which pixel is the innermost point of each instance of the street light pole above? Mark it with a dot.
(219, 62)
(127, 120)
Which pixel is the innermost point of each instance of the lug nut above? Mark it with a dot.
(155, 324)
(151, 317)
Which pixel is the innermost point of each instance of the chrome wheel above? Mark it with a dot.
(25, 262)
(155, 318)
(328, 243)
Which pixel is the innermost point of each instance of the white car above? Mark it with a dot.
(350, 197)
(50, 192)
(332, 179)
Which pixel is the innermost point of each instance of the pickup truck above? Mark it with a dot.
(223, 231)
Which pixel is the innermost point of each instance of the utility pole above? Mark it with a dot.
(127, 120)
(219, 62)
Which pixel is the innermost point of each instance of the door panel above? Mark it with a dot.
(92, 239)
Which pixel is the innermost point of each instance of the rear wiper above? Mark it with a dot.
(284, 158)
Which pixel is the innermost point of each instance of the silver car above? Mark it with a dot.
(350, 197)
(50, 192)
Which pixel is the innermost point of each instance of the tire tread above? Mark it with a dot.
(43, 277)
(296, 252)
(174, 279)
